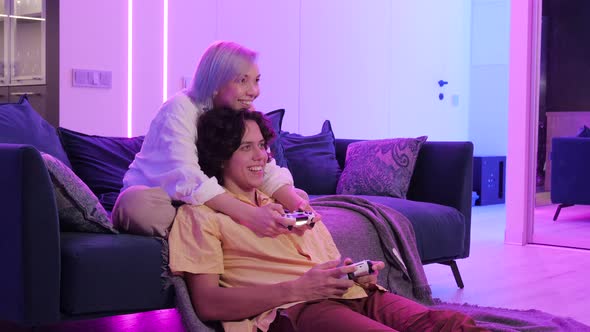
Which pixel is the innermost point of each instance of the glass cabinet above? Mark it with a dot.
(23, 42)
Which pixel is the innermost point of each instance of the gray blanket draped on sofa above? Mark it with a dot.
(405, 274)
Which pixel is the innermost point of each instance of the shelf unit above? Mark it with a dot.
(29, 64)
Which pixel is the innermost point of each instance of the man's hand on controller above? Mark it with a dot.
(368, 281)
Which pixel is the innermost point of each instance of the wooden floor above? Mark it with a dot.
(551, 279)
(571, 229)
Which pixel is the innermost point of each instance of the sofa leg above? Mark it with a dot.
(559, 210)
(456, 273)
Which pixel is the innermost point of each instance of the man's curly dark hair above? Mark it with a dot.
(220, 133)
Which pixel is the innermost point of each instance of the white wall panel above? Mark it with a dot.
(369, 67)
(192, 26)
(271, 28)
(148, 38)
(488, 123)
(488, 117)
(430, 43)
(346, 67)
(93, 35)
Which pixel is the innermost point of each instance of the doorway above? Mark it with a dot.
(563, 110)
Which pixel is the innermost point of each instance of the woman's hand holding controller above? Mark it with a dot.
(305, 206)
(268, 221)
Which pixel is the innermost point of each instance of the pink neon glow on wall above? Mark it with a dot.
(129, 66)
(165, 58)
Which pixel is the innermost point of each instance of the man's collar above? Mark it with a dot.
(260, 198)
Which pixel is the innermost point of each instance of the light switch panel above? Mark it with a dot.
(91, 78)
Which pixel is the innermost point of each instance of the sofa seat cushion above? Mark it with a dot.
(106, 272)
(439, 229)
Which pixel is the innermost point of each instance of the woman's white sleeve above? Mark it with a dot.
(175, 154)
(275, 177)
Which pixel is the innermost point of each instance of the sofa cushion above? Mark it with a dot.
(380, 167)
(276, 120)
(312, 160)
(78, 208)
(439, 229)
(21, 124)
(100, 161)
(102, 273)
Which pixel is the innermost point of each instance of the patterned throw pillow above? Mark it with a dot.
(79, 210)
(380, 167)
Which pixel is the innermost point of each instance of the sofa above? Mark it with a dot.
(570, 178)
(53, 274)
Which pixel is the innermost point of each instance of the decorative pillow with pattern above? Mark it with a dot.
(78, 208)
(380, 167)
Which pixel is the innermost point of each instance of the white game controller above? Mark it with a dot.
(363, 268)
(301, 218)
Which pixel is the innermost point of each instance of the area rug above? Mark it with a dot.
(511, 320)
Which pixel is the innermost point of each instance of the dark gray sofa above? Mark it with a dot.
(49, 276)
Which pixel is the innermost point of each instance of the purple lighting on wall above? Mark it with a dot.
(165, 50)
(129, 66)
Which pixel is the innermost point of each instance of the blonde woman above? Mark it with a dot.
(166, 172)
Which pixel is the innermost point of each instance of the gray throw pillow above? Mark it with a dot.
(78, 208)
(380, 167)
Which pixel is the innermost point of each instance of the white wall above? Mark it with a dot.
(93, 35)
(490, 40)
(369, 67)
(148, 38)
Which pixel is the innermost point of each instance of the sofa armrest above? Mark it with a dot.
(443, 175)
(570, 178)
(29, 249)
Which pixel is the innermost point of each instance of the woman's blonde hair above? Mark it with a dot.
(222, 62)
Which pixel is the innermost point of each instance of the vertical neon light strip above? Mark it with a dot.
(129, 66)
(165, 48)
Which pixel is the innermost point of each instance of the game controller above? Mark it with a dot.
(301, 218)
(363, 268)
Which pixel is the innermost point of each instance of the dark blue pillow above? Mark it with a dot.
(276, 149)
(312, 160)
(583, 132)
(101, 162)
(21, 124)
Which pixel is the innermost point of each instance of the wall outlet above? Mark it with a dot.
(455, 100)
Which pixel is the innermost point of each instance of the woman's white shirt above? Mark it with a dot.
(168, 157)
